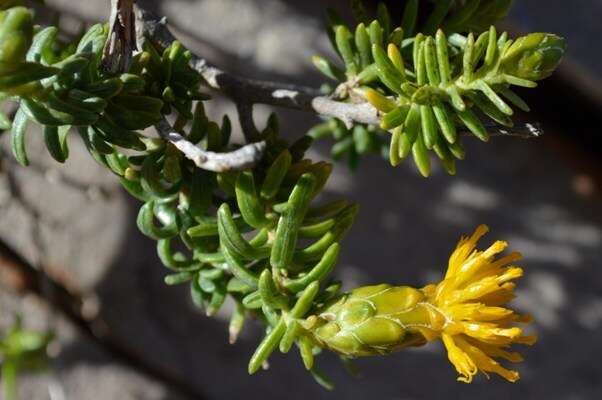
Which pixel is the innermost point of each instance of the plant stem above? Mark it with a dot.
(244, 158)
(250, 91)
(9, 380)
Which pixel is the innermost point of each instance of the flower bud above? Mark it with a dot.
(534, 56)
(372, 320)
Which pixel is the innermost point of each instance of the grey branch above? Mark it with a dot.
(244, 158)
(349, 113)
(121, 43)
(245, 116)
(237, 88)
(250, 91)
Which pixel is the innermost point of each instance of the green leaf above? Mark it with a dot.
(269, 293)
(421, 157)
(287, 231)
(232, 240)
(363, 44)
(266, 347)
(237, 321)
(275, 175)
(17, 137)
(343, 39)
(56, 142)
(387, 72)
(328, 69)
(318, 273)
(429, 126)
(146, 222)
(79, 115)
(24, 73)
(44, 116)
(250, 207)
(395, 118)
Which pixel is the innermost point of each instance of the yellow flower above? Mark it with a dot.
(465, 310)
(476, 328)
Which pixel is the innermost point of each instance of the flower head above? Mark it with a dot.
(477, 328)
(465, 310)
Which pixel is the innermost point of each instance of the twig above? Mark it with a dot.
(250, 91)
(16, 273)
(122, 36)
(245, 116)
(237, 88)
(238, 160)
(348, 113)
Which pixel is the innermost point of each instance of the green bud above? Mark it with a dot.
(372, 320)
(16, 35)
(534, 57)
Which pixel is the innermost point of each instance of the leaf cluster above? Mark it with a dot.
(426, 16)
(351, 143)
(61, 91)
(429, 88)
(253, 236)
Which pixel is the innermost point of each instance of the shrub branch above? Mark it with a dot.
(251, 91)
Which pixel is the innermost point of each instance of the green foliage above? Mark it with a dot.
(427, 88)
(426, 16)
(6, 4)
(252, 236)
(535, 56)
(16, 33)
(71, 91)
(352, 143)
(21, 350)
(262, 245)
(257, 237)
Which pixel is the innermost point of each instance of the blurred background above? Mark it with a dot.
(541, 195)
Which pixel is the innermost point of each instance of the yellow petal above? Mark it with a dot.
(509, 274)
(463, 250)
(490, 333)
(496, 351)
(528, 340)
(495, 267)
(476, 290)
(479, 263)
(461, 361)
(497, 298)
(479, 312)
(486, 363)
